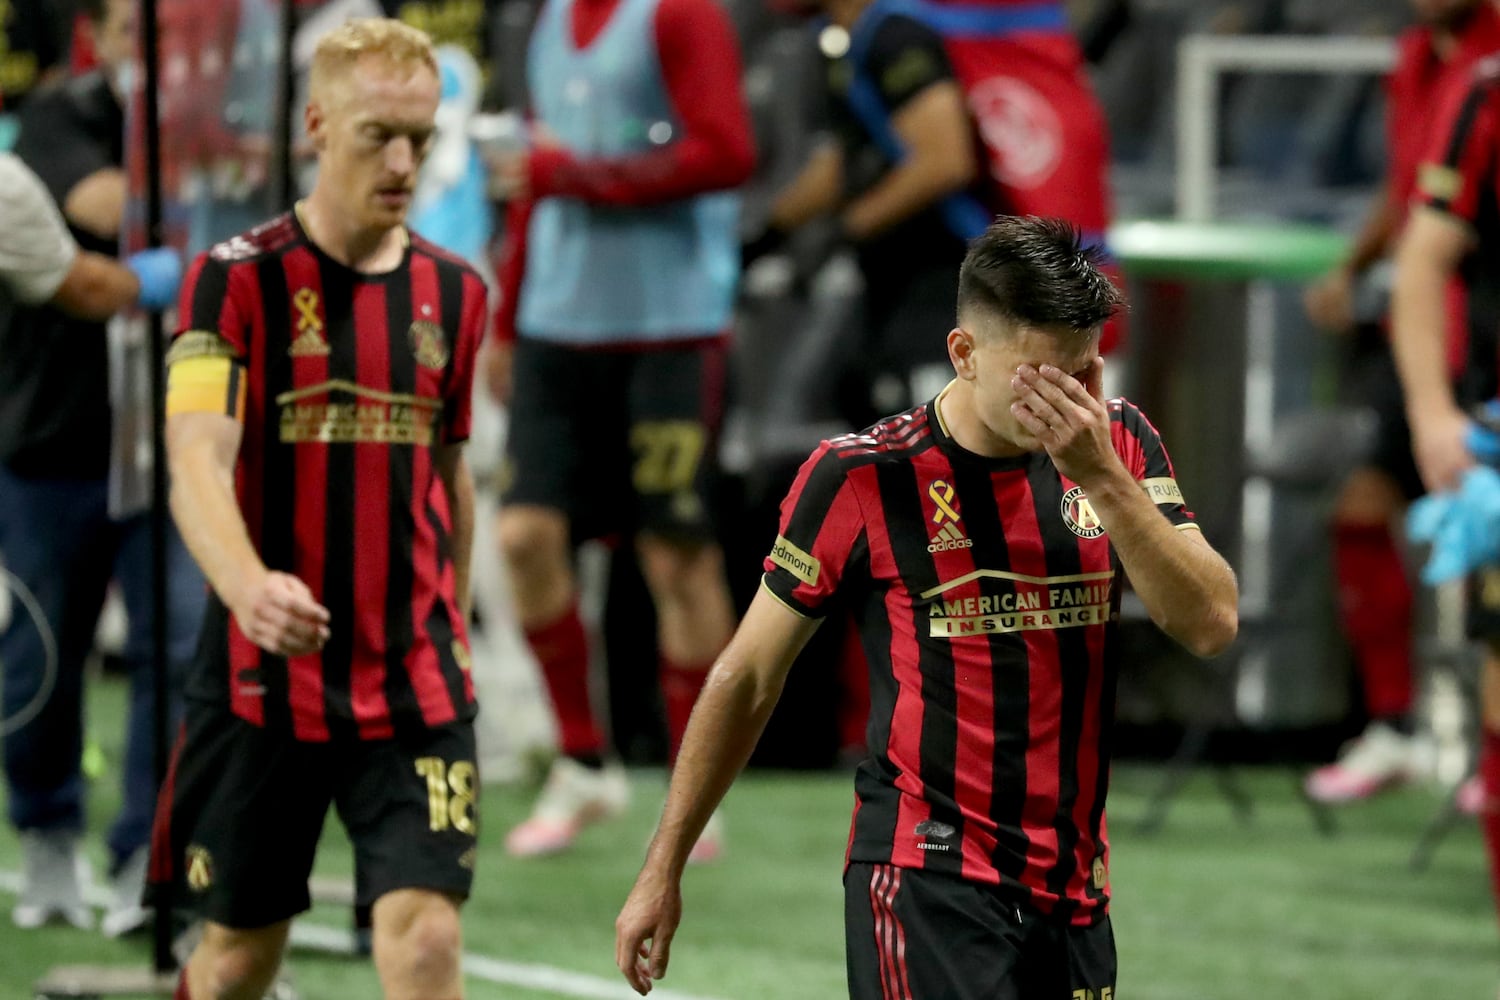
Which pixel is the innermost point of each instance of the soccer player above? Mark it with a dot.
(1454, 232)
(319, 397)
(617, 292)
(1375, 600)
(981, 540)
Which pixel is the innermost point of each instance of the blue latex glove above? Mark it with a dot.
(1483, 439)
(1463, 526)
(160, 272)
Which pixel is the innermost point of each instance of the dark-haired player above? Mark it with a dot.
(980, 540)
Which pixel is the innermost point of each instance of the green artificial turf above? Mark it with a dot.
(1209, 908)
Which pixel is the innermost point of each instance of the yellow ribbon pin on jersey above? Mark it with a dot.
(941, 493)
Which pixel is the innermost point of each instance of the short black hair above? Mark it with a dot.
(94, 10)
(1036, 272)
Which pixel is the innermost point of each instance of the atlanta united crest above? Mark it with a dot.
(1078, 514)
(427, 344)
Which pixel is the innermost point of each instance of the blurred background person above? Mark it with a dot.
(1376, 606)
(937, 119)
(41, 264)
(617, 290)
(1454, 234)
(33, 51)
(57, 534)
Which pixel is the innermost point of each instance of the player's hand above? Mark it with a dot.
(644, 929)
(1330, 301)
(1440, 450)
(1067, 415)
(280, 615)
(510, 175)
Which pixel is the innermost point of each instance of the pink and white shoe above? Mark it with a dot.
(1378, 759)
(710, 845)
(573, 797)
(1470, 798)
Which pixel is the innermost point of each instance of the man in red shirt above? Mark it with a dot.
(1375, 600)
(617, 291)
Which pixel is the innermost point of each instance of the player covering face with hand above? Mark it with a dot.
(979, 540)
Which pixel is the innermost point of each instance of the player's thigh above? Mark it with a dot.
(411, 807)
(548, 437)
(914, 935)
(247, 811)
(676, 408)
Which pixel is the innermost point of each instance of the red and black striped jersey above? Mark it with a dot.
(352, 381)
(1460, 176)
(986, 594)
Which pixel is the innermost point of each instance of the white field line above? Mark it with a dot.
(339, 941)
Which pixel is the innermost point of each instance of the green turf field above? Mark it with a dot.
(1208, 909)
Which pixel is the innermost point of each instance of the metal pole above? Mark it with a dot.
(284, 189)
(160, 675)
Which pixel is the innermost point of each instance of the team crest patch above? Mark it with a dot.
(200, 868)
(428, 345)
(1078, 514)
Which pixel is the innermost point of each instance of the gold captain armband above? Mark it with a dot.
(205, 376)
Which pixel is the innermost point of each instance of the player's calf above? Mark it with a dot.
(231, 964)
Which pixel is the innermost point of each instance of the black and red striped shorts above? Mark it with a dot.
(918, 935)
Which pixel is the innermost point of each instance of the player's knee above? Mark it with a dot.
(533, 544)
(680, 570)
(429, 945)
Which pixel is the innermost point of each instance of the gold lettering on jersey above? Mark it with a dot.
(796, 562)
(199, 344)
(373, 417)
(1437, 181)
(1162, 489)
(1031, 603)
(428, 345)
(309, 342)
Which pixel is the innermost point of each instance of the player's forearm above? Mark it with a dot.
(814, 192)
(913, 185)
(727, 722)
(1373, 242)
(1418, 331)
(209, 519)
(1188, 589)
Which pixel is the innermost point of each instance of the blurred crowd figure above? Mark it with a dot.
(66, 529)
(1453, 235)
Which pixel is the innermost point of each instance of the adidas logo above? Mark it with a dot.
(949, 538)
